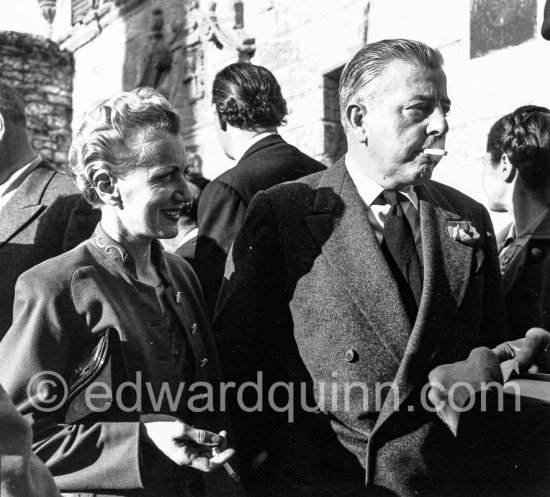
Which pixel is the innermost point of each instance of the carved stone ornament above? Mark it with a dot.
(211, 31)
(48, 9)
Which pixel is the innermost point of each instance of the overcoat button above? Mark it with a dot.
(179, 297)
(203, 362)
(536, 253)
(350, 355)
(193, 328)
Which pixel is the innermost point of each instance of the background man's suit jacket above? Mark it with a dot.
(223, 204)
(311, 299)
(525, 268)
(45, 217)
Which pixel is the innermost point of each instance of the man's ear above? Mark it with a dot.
(106, 187)
(507, 169)
(223, 124)
(356, 115)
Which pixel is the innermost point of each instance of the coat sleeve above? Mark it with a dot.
(251, 317)
(36, 353)
(221, 213)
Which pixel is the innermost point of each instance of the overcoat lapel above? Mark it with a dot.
(25, 205)
(447, 268)
(341, 226)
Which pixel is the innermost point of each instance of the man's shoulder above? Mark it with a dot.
(60, 184)
(292, 200)
(299, 186)
(276, 163)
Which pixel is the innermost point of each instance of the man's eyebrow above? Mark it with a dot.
(430, 98)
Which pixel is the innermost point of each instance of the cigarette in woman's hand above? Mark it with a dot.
(435, 151)
(230, 471)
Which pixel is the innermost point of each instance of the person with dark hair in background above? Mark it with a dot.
(184, 244)
(248, 108)
(41, 212)
(516, 178)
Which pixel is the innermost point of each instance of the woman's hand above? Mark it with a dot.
(185, 445)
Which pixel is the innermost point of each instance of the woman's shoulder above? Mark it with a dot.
(58, 271)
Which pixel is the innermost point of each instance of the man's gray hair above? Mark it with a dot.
(366, 66)
(12, 105)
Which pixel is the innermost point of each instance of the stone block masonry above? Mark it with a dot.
(43, 73)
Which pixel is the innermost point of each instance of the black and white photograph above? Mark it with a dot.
(274, 248)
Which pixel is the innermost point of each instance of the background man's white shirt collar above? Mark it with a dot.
(254, 140)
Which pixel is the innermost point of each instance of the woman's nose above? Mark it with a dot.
(182, 192)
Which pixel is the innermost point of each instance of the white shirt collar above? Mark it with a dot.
(189, 236)
(252, 141)
(368, 189)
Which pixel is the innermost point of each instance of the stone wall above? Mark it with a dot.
(44, 75)
(306, 43)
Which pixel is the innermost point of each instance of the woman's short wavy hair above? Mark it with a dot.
(248, 97)
(114, 133)
(524, 136)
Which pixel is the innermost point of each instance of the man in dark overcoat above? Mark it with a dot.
(345, 288)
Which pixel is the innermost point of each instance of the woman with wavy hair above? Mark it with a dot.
(248, 108)
(118, 315)
(516, 177)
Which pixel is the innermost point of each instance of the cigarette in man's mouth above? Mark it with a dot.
(435, 151)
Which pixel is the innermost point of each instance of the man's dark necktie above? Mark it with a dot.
(400, 251)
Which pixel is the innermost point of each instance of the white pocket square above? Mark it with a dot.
(463, 232)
